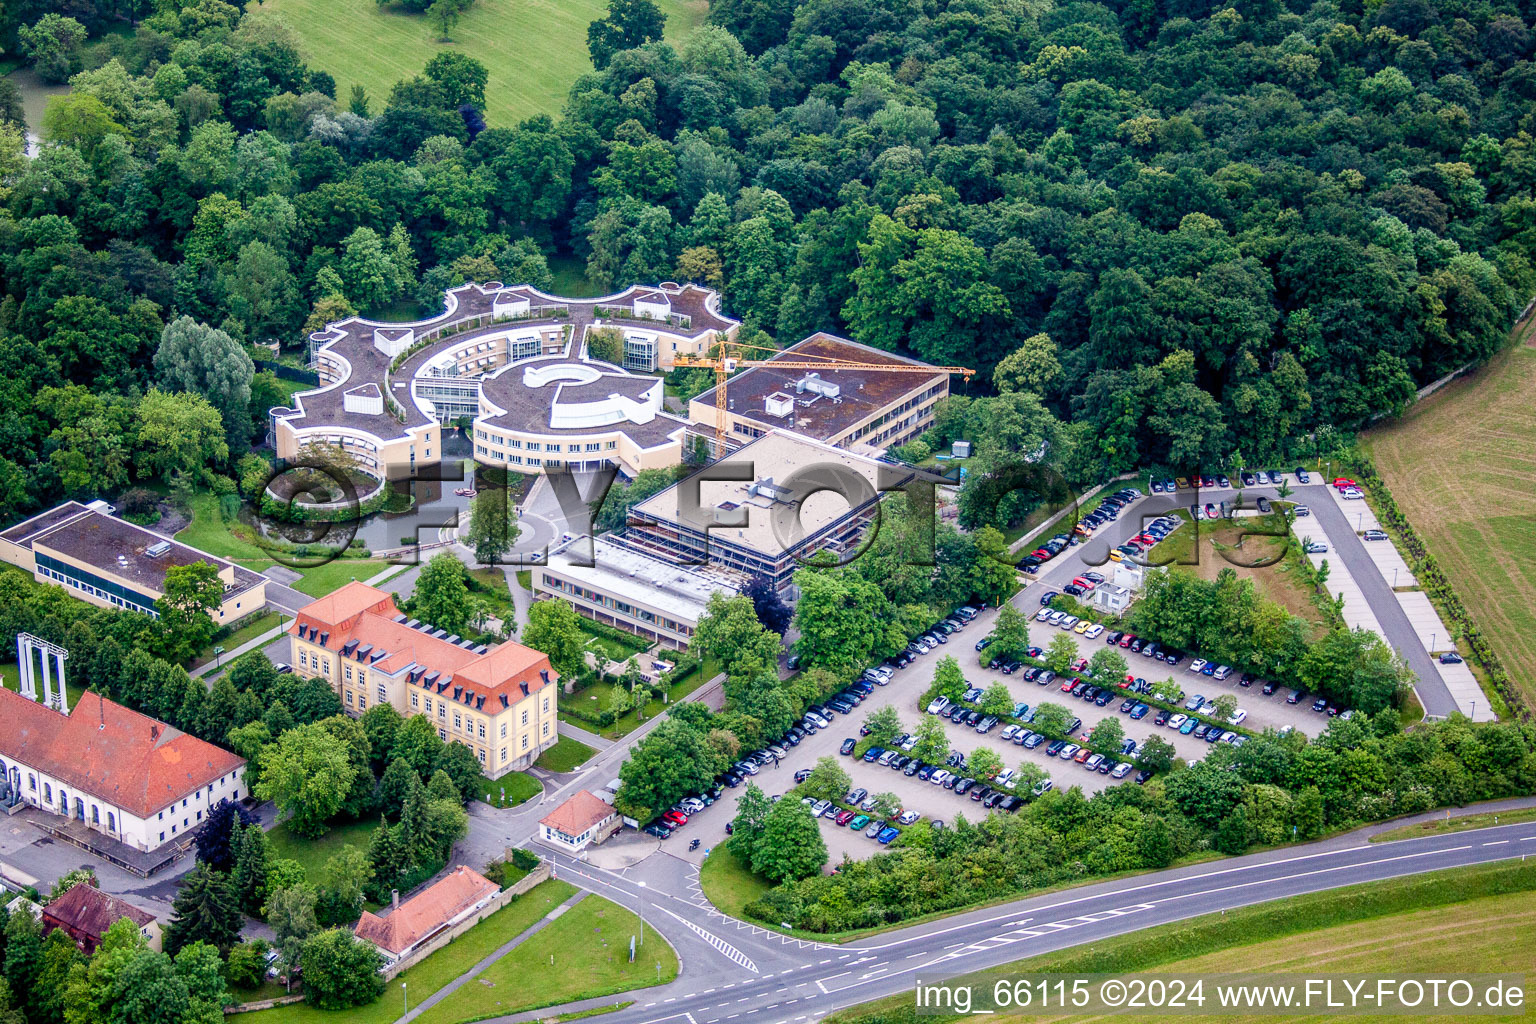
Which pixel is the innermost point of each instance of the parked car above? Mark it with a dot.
(1375, 535)
(847, 747)
(1450, 658)
(1302, 511)
(886, 835)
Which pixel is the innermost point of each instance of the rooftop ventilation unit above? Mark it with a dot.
(813, 383)
(157, 549)
(770, 490)
(779, 405)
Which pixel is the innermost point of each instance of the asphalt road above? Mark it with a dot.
(734, 972)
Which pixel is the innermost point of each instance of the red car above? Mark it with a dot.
(1086, 584)
(1343, 482)
(1067, 685)
(843, 817)
(675, 819)
(1128, 639)
(1145, 539)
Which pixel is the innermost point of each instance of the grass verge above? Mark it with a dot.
(582, 954)
(1397, 926)
(1449, 824)
(509, 790)
(253, 628)
(436, 970)
(565, 755)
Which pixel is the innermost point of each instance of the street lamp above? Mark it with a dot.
(217, 660)
(1394, 577)
(1431, 643)
(1473, 702)
(406, 996)
(640, 907)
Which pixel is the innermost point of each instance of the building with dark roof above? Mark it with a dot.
(85, 913)
(113, 563)
(514, 359)
(864, 410)
(132, 778)
(499, 701)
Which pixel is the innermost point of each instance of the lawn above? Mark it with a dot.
(313, 853)
(436, 970)
(612, 648)
(729, 885)
(253, 628)
(565, 755)
(584, 953)
(534, 49)
(10, 678)
(1460, 466)
(1223, 545)
(596, 697)
(1415, 925)
(508, 791)
(570, 278)
(319, 580)
(209, 532)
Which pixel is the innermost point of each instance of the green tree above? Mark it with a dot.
(1107, 734)
(179, 434)
(192, 594)
(828, 780)
(291, 913)
(1033, 366)
(307, 773)
(341, 972)
(1061, 653)
(1051, 719)
(984, 763)
(442, 594)
(630, 23)
(993, 576)
(747, 827)
(672, 762)
(1010, 633)
(555, 629)
(932, 741)
(1154, 841)
(997, 701)
(54, 43)
(1157, 754)
(461, 77)
(948, 680)
(445, 14)
(493, 525)
(791, 846)
(729, 632)
(1226, 707)
(206, 909)
(79, 120)
(1108, 666)
(883, 724)
(606, 343)
(253, 859)
(208, 362)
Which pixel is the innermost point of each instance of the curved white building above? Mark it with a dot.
(513, 359)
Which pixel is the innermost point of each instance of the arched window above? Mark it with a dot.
(47, 793)
(95, 815)
(111, 822)
(79, 809)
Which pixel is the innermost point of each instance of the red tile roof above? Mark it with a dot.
(578, 814)
(366, 614)
(109, 752)
(426, 912)
(89, 911)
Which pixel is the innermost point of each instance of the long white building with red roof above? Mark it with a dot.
(128, 776)
(500, 702)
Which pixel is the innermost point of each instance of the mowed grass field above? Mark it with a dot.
(533, 49)
(1461, 464)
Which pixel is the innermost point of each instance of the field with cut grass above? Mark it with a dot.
(534, 49)
(1461, 465)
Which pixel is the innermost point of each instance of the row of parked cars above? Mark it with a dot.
(950, 776)
(1249, 478)
(921, 645)
(1108, 510)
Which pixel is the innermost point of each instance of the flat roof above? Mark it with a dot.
(118, 548)
(619, 571)
(796, 488)
(862, 393)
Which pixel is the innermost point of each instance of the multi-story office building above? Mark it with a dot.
(499, 701)
(652, 597)
(113, 563)
(766, 508)
(862, 410)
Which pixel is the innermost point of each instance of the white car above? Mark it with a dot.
(1056, 618)
(1302, 510)
(694, 805)
(939, 704)
(1238, 717)
(1198, 665)
(820, 807)
(1121, 770)
(908, 817)
(1068, 622)
(938, 777)
(1068, 752)
(1177, 720)
(1093, 631)
(909, 744)
(1043, 786)
(1009, 732)
(1316, 548)
(1206, 708)
(1045, 613)
(1352, 494)
(1005, 778)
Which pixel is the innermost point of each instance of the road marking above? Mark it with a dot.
(1499, 842)
(727, 950)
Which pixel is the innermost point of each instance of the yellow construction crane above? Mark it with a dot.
(724, 365)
